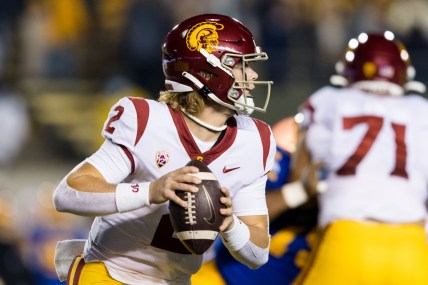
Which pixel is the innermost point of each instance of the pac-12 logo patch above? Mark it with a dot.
(162, 158)
(203, 35)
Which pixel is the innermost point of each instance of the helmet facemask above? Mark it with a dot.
(253, 100)
(241, 102)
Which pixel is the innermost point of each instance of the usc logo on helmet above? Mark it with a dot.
(203, 35)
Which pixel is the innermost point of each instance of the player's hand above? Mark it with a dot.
(163, 189)
(227, 211)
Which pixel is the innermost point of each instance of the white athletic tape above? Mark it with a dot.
(131, 196)
(294, 194)
(238, 236)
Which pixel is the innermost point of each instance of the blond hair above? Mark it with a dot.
(191, 102)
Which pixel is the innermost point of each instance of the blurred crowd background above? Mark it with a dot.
(63, 63)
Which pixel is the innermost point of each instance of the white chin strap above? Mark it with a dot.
(202, 123)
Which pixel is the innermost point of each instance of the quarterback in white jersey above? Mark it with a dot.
(372, 140)
(129, 182)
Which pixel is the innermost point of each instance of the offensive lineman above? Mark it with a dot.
(372, 139)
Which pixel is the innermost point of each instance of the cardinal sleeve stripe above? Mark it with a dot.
(142, 109)
(265, 134)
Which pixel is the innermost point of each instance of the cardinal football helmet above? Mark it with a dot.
(378, 63)
(199, 55)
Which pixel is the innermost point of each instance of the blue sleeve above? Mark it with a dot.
(280, 269)
(280, 172)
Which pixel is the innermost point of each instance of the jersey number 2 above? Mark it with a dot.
(374, 126)
(116, 117)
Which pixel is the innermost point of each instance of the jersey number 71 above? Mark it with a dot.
(374, 126)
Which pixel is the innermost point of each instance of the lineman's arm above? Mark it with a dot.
(302, 185)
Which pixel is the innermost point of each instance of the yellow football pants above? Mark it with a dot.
(360, 253)
(94, 273)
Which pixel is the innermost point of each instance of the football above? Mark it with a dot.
(197, 225)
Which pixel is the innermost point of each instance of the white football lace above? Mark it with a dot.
(190, 213)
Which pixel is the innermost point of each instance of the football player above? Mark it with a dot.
(371, 137)
(211, 91)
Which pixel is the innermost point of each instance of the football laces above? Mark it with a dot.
(190, 213)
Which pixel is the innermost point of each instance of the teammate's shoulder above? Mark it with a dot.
(321, 97)
(416, 102)
(416, 97)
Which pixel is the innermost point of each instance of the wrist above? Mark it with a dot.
(294, 194)
(237, 237)
(132, 196)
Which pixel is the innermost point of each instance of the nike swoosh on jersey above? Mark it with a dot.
(226, 170)
(211, 219)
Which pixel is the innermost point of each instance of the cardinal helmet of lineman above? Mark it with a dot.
(377, 62)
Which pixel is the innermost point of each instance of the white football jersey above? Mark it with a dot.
(375, 149)
(141, 245)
